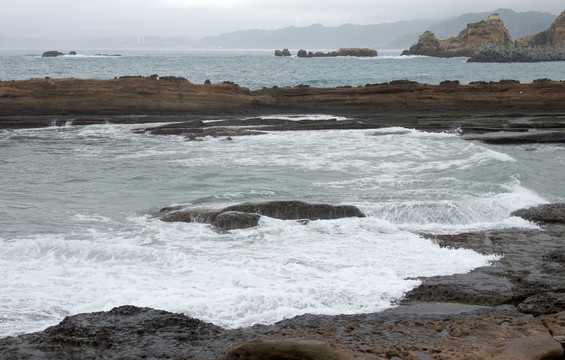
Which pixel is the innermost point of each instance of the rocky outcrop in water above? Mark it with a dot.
(284, 52)
(247, 214)
(466, 43)
(357, 52)
(554, 36)
(544, 214)
(55, 53)
(499, 54)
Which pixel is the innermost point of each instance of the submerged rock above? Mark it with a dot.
(545, 214)
(247, 214)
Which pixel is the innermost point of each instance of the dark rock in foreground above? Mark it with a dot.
(295, 349)
(247, 214)
(129, 332)
(544, 214)
(531, 263)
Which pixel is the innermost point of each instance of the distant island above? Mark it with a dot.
(56, 53)
(490, 41)
(357, 52)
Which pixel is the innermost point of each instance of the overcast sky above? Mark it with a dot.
(198, 18)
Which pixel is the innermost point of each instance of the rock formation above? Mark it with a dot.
(466, 43)
(357, 52)
(554, 36)
(47, 102)
(543, 214)
(284, 52)
(247, 214)
(55, 53)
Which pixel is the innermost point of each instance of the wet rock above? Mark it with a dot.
(230, 220)
(295, 210)
(529, 265)
(555, 137)
(544, 214)
(129, 332)
(247, 214)
(291, 349)
(543, 304)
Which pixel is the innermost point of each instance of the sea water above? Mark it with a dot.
(256, 69)
(78, 204)
(79, 231)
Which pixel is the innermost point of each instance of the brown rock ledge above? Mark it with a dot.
(42, 102)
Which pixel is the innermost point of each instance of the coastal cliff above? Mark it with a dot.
(554, 36)
(548, 45)
(466, 43)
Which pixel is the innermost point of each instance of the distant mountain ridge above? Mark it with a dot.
(397, 35)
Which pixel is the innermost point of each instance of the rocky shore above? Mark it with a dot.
(47, 102)
(513, 309)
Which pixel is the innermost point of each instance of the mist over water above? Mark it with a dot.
(79, 231)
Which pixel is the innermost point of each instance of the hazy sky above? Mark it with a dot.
(198, 18)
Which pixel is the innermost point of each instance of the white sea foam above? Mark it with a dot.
(103, 248)
(278, 270)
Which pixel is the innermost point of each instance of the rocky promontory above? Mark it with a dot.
(548, 45)
(554, 36)
(466, 43)
(356, 52)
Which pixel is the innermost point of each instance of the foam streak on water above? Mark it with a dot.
(79, 232)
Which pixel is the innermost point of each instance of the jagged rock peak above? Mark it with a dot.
(553, 36)
(466, 43)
